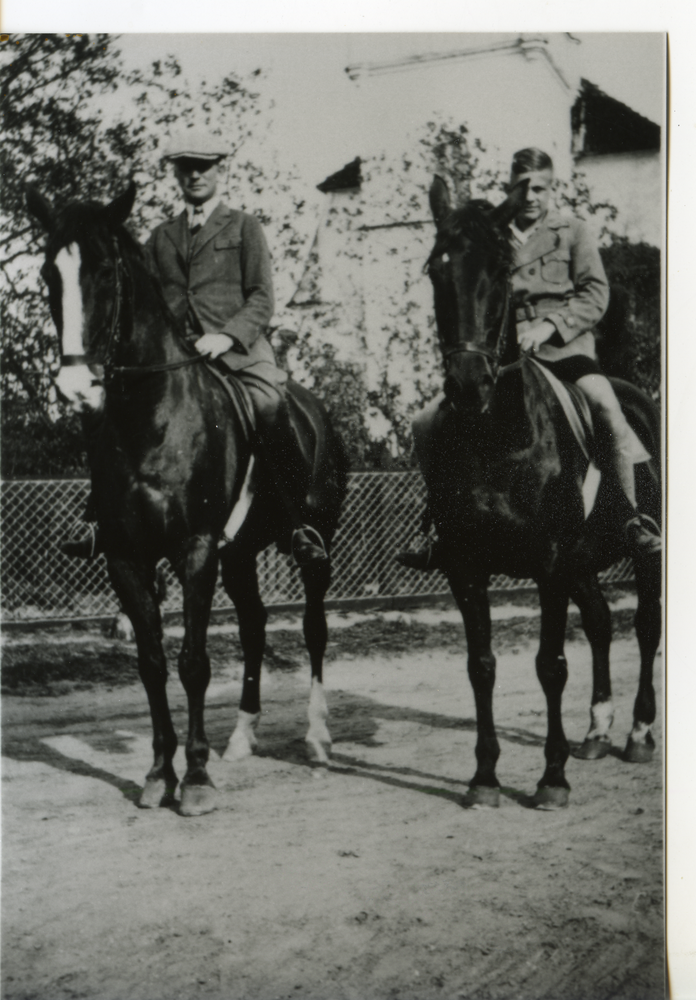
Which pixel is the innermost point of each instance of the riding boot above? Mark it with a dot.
(643, 537)
(286, 463)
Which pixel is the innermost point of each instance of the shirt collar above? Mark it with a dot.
(522, 235)
(202, 217)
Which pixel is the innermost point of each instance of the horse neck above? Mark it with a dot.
(148, 333)
(511, 425)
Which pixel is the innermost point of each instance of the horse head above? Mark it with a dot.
(83, 271)
(469, 268)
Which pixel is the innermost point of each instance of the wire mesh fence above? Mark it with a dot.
(381, 515)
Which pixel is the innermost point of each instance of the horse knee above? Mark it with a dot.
(552, 670)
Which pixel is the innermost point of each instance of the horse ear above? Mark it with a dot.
(120, 208)
(39, 207)
(440, 204)
(503, 214)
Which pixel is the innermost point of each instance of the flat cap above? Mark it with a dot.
(198, 143)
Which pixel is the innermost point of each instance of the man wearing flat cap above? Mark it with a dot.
(215, 269)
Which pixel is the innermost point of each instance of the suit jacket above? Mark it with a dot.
(558, 275)
(218, 281)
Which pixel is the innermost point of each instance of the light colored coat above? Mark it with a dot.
(558, 275)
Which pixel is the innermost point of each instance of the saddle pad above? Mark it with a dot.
(241, 400)
(580, 427)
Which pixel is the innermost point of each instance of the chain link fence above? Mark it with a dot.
(381, 515)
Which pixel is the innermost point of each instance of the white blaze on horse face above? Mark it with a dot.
(68, 263)
(76, 382)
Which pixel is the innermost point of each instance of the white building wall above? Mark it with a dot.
(510, 95)
(634, 184)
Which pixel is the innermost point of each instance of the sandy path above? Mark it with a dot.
(369, 881)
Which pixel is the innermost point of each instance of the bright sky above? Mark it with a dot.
(313, 95)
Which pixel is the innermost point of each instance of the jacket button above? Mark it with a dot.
(532, 270)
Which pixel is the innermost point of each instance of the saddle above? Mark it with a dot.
(239, 395)
(577, 411)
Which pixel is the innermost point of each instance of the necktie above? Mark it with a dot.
(197, 220)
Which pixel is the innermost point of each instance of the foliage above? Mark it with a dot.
(360, 334)
(371, 314)
(52, 133)
(629, 343)
(79, 128)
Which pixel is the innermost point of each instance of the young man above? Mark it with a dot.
(215, 269)
(561, 293)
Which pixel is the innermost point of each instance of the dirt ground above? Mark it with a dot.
(366, 881)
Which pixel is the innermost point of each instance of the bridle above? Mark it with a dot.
(113, 339)
(493, 355)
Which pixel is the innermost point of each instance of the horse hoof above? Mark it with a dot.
(481, 797)
(197, 800)
(156, 793)
(593, 749)
(638, 752)
(551, 797)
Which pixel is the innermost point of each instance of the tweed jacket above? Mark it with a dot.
(218, 281)
(558, 275)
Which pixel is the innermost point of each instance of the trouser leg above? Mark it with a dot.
(642, 533)
(289, 467)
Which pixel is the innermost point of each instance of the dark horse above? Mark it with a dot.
(171, 459)
(505, 476)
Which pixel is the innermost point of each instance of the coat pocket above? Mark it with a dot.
(555, 267)
(227, 243)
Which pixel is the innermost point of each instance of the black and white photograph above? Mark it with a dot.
(334, 408)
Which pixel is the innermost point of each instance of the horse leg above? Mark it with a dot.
(552, 671)
(198, 578)
(472, 599)
(316, 580)
(648, 625)
(596, 621)
(135, 589)
(241, 583)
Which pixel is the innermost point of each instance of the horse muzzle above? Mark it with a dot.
(80, 387)
(469, 396)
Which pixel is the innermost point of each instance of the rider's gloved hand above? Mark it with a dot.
(536, 335)
(215, 344)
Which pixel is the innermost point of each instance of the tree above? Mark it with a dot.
(79, 127)
(369, 318)
(51, 133)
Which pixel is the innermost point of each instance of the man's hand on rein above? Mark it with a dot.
(214, 344)
(530, 340)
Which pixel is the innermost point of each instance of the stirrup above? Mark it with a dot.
(314, 548)
(643, 536)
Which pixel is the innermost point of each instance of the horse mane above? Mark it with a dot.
(473, 222)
